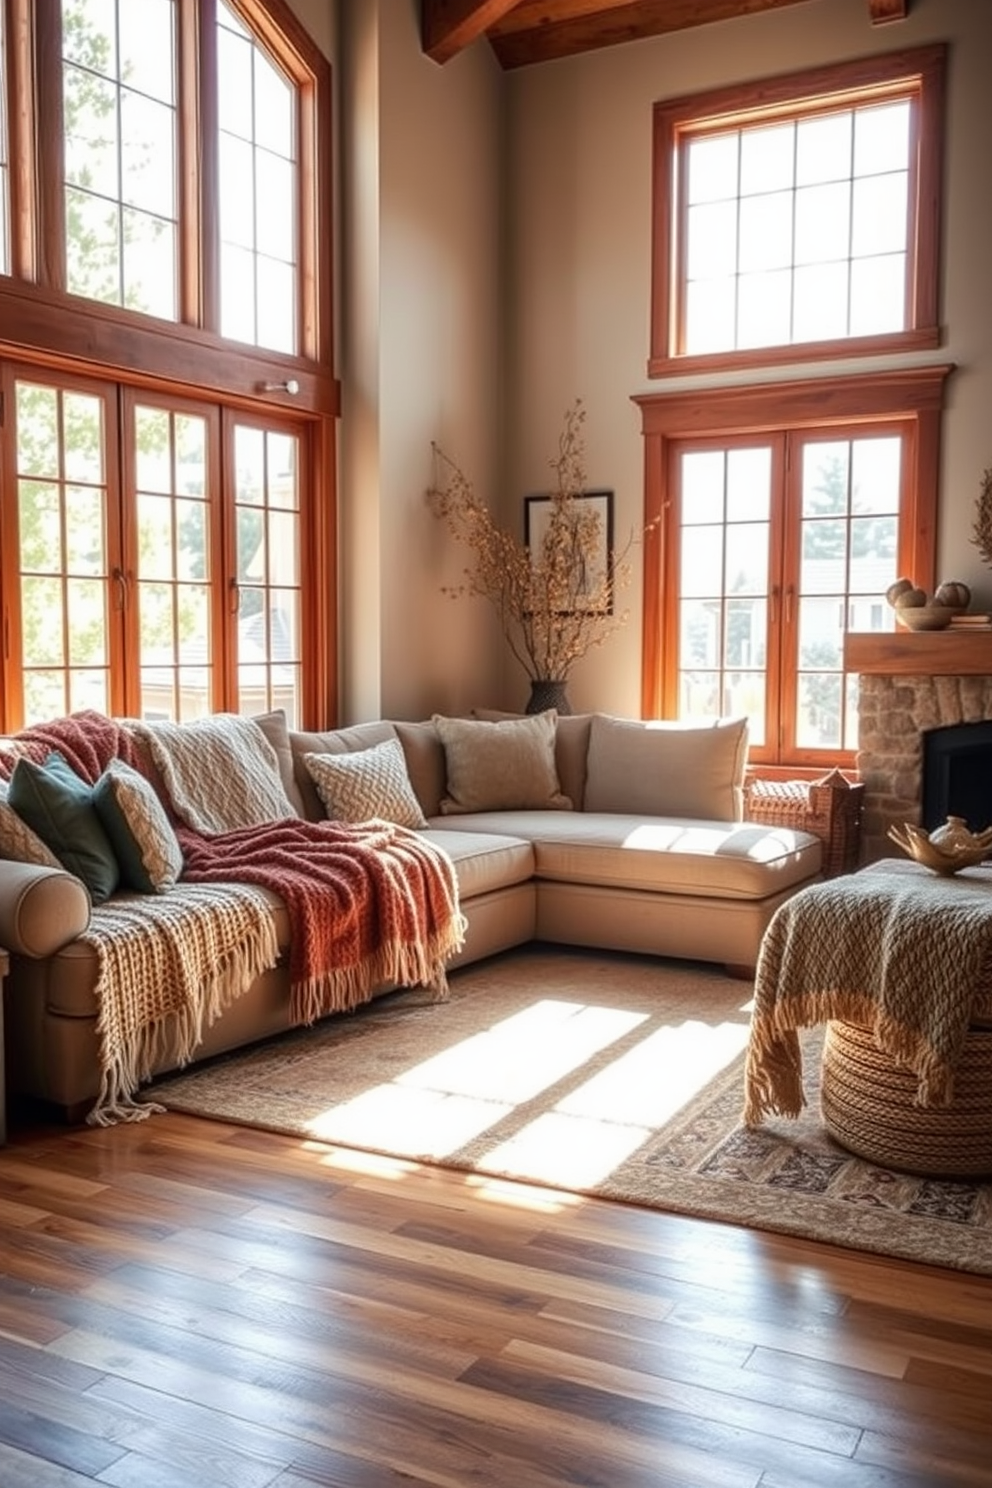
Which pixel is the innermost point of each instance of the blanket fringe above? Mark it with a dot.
(396, 964)
(775, 1065)
(173, 1038)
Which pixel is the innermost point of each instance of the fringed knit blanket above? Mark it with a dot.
(894, 949)
(368, 905)
(169, 966)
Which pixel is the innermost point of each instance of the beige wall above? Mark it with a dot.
(494, 236)
(579, 143)
(420, 355)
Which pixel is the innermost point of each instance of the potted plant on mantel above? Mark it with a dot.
(554, 604)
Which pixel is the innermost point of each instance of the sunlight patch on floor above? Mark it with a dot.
(441, 1105)
(434, 1123)
(647, 1085)
(522, 1055)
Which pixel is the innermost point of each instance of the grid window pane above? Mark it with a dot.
(268, 570)
(174, 564)
(120, 122)
(781, 220)
(724, 583)
(259, 189)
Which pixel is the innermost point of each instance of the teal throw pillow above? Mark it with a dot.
(58, 806)
(139, 829)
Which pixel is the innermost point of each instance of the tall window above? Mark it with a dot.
(795, 219)
(777, 534)
(798, 216)
(168, 397)
(119, 121)
(258, 190)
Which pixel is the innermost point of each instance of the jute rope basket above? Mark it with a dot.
(867, 1104)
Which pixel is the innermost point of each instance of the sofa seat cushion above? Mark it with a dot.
(484, 860)
(70, 989)
(722, 860)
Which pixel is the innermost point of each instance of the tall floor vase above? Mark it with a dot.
(546, 694)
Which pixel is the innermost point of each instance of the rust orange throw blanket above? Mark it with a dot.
(368, 904)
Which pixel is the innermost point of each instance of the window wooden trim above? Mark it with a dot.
(880, 77)
(36, 313)
(909, 394)
(43, 327)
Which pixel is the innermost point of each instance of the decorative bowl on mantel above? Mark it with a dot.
(927, 617)
(947, 849)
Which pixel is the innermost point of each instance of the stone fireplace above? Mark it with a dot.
(910, 683)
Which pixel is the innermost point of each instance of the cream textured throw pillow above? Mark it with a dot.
(220, 772)
(504, 766)
(667, 769)
(20, 842)
(368, 783)
(139, 829)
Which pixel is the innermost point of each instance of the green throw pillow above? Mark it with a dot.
(139, 829)
(58, 806)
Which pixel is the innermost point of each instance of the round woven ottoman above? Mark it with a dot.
(867, 1103)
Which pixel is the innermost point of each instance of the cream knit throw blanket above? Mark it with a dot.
(220, 772)
(169, 965)
(895, 949)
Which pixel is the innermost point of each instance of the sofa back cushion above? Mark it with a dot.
(276, 730)
(332, 741)
(667, 769)
(502, 766)
(424, 762)
(571, 749)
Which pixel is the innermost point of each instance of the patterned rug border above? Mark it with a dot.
(785, 1177)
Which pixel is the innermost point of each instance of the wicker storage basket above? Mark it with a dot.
(867, 1104)
(829, 808)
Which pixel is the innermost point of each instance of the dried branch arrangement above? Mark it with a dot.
(982, 526)
(548, 612)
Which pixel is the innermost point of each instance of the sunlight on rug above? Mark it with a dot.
(452, 1098)
(583, 1073)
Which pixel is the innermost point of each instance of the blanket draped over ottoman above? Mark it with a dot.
(369, 905)
(894, 949)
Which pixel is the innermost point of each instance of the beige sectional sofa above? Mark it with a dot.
(587, 830)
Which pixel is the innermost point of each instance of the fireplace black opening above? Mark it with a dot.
(957, 775)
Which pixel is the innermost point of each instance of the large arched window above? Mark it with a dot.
(167, 446)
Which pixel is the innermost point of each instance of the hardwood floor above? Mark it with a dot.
(185, 1304)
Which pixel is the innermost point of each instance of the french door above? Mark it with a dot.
(777, 544)
(151, 553)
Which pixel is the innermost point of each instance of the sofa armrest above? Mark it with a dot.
(41, 909)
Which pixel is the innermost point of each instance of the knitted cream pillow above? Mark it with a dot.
(139, 829)
(365, 784)
(19, 841)
(504, 766)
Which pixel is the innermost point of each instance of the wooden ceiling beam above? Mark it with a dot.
(881, 11)
(584, 31)
(448, 26)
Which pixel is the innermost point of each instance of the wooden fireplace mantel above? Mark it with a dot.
(928, 653)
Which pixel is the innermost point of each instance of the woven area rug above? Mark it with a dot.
(618, 1076)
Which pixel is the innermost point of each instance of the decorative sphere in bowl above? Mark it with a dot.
(947, 849)
(926, 617)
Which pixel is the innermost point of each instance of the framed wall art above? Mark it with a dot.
(595, 567)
